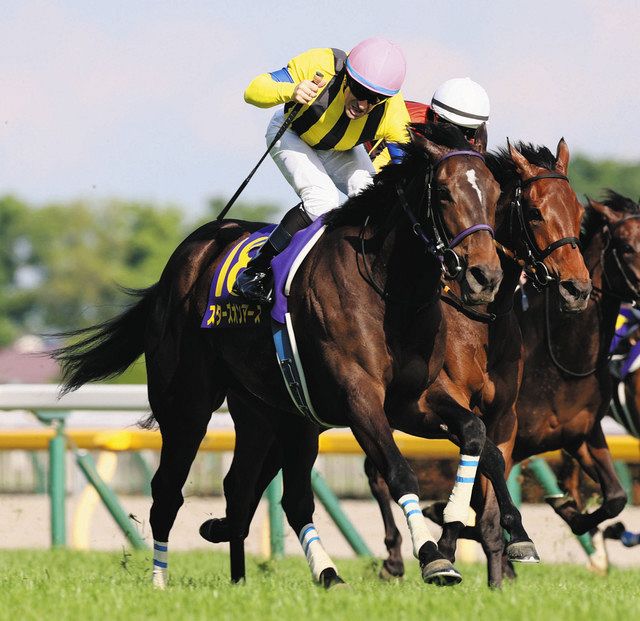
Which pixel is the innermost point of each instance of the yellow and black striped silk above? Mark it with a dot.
(324, 124)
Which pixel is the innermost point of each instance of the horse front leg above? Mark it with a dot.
(393, 565)
(372, 431)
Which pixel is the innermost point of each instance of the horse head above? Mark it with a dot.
(461, 198)
(548, 212)
(620, 256)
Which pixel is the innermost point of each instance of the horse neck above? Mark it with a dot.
(588, 333)
(405, 267)
(608, 306)
(504, 235)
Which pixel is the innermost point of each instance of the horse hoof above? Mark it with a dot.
(441, 573)
(522, 552)
(159, 579)
(388, 575)
(215, 530)
(329, 579)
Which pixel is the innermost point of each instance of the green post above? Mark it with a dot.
(547, 479)
(276, 528)
(110, 500)
(331, 503)
(513, 484)
(57, 476)
(622, 470)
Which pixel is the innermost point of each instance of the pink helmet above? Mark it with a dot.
(378, 64)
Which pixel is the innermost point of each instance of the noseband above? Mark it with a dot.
(440, 243)
(533, 262)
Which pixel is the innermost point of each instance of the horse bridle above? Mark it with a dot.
(634, 289)
(441, 243)
(533, 262)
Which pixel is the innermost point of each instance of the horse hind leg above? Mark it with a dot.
(182, 411)
(179, 447)
(300, 449)
(256, 459)
(393, 565)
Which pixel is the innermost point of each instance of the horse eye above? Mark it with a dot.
(534, 215)
(627, 249)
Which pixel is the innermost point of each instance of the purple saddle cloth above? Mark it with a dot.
(226, 310)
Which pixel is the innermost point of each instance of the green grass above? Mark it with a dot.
(65, 585)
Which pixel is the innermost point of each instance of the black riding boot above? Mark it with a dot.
(255, 283)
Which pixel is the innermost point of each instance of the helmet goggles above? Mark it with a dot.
(362, 93)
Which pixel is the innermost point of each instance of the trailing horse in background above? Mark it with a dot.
(537, 224)
(569, 356)
(369, 330)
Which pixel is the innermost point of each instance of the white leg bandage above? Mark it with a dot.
(317, 558)
(160, 564)
(416, 522)
(457, 509)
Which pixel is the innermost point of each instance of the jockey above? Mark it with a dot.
(322, 152)
(459, 101)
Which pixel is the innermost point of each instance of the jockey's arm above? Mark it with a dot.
(393, 130)
(279, 87)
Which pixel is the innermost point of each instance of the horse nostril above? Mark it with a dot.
(487, 278)
(480, 276)
(578, 289)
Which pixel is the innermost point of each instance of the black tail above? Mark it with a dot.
(108, 348)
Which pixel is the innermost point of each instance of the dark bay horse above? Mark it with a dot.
(538, 222)
(369, 329)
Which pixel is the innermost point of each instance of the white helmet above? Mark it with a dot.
(461, 101)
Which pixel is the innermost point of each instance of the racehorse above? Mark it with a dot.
(538, 223)
(566, 388)
(370, 333)
(570, 356)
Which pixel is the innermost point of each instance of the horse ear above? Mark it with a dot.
(524, 167)
(480, 139)
(610, 215)
(562, 157)
(434, 150)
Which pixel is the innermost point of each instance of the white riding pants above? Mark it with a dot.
(318, 177)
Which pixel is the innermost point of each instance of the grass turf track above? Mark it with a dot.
(65, 585)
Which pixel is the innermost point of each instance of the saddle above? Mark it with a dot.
(227, 310)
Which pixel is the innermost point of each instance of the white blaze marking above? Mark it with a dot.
(471, 177)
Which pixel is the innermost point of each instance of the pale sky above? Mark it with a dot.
(144, 99)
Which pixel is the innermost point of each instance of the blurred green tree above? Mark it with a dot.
(591, 177)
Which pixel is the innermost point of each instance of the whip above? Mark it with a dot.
(317, 78)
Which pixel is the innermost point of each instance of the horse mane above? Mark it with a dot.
(592, 221)
(503, 167)
(379, 199)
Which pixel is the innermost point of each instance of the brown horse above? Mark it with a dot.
(567, 386)
(483, 364)
(369, 330)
